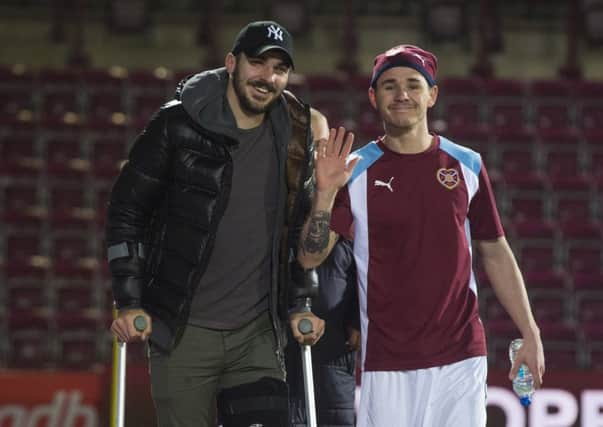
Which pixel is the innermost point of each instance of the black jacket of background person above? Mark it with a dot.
(171, 195)
(336, 302)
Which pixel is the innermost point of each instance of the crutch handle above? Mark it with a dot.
(140, 323)
(305, 326)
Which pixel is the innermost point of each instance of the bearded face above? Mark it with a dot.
(259, 81)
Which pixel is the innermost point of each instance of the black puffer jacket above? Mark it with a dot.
(169, 198)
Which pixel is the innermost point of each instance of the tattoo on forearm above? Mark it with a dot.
(317, 238)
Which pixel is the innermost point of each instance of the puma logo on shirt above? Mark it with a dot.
(388, 184)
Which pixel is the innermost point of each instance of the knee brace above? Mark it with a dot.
(263, 403)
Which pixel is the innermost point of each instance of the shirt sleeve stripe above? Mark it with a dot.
(464, 155)
(368, 155)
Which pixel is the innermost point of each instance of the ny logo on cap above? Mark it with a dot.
(276, 32)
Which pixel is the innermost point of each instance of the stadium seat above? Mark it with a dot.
(65, 158)
(490, 308)
(527, 206)
(460, 87)
(593, 337)
(104, 89)
(458, 114)
(584, 257)
(72, 256)
(546, 280)
(77, 351)
(333, 97)
(572, 207)
(549, 101)
(563, 355)
(581, 230)
(24, 257)
(28, 295)
(589, 104)
(503, 329)
(504, 88)
(17, 88)
(507, 116)
(477, 138)
(77, 337)
(589, 306)
(147, 92)
(549, 305)
(56, 105)
(587, 282)
(532, 228)
(558, 330)
(30, 340)
(549, 116)
(143, 106)
(107, 157)
(520, 169)
(23, 205)
(590, 116)
(507, 106)
(596, 159)
(70, 207)
(19, 157)
(537, 256)
(157, 81)
(102, 106)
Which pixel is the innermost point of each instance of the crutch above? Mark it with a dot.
(305, 327)
(118, 390)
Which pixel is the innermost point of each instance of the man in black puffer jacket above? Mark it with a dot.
(203, 222)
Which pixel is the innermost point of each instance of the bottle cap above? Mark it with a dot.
(525, 401)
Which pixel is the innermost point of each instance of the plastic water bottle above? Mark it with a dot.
(523, 383)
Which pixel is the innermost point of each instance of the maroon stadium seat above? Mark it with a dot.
(72, 256)
(589, 104)
(19, 157)
(23, 205)
(527, 205)
(584, 257)
(70, 207)
(572, 207)
(28, 295)
(65, 158)
(29, 340)
(24, 257)
(17, 88)
(549, 100)
(537, 256)
(107, 157)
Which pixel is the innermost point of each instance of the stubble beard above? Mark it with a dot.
(248, 105)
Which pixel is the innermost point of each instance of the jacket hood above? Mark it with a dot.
(203, 97)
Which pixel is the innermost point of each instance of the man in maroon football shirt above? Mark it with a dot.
(418, 204)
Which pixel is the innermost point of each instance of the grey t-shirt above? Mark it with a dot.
(235, 286)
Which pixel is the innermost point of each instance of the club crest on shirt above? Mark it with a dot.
(449, 178)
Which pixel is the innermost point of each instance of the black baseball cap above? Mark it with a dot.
(261, 36)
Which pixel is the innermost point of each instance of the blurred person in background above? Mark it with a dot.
(202, 223)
